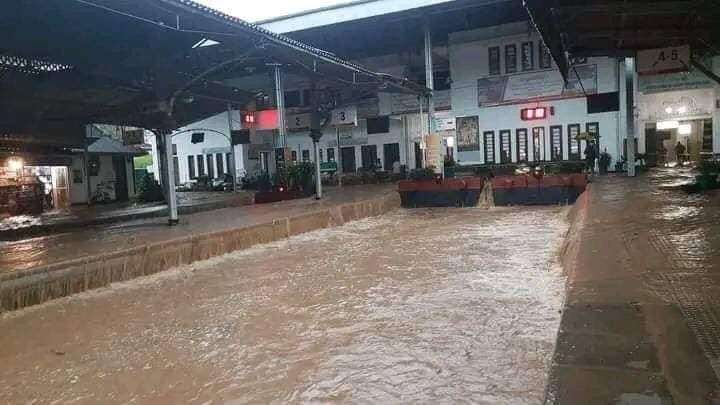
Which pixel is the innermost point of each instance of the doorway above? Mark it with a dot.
(391, 154)
(121, 187)
(348, 159)
(369, 156)
(418, 156)
(686, 142)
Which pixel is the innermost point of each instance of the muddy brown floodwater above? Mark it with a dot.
(448, 306)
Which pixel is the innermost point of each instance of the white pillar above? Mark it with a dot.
(716, 108)
(630, 108)
(232, 147)
(171, 197)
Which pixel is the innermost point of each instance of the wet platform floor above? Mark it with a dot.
(29, 253)
(456, 305)
(642, 317)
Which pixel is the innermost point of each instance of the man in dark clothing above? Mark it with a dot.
(680, 152)
(590, 155)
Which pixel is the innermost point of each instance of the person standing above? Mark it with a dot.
(680, 152)
(590, 156)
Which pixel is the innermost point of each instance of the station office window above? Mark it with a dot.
(229, 161)
(522, 144)
(545, 61)
(331, 154)
(210, 166)
(527, 59)
(305, 155)
(510, 58)
(592, 128)
(292, 99)
(191, 166)
(379, 125)
(556, 144)
(219, 162)
(494, 60)
(538, 135)
(573, 142)
(489, 138)
(505, 156)
(201, 165)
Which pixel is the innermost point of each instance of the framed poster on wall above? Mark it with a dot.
(468, 133)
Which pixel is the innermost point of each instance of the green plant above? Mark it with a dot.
(427, 173)
(301, 176)
(149, 190)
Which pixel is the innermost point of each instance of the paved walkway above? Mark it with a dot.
(31, 253)
(641, 322)
(82, 216)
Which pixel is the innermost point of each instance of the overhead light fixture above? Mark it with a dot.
(668, 110)
(15, 164)
(685, 129)
(661, 125)
(682, 110)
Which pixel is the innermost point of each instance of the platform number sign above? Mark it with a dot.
(344, 116)
(663, 60)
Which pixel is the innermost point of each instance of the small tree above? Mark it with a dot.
(149, 190)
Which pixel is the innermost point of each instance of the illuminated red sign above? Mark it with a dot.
(536, 113)
(261, 120)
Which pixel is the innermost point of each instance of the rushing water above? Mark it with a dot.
(449, 306)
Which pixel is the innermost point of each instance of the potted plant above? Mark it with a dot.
(449, 167)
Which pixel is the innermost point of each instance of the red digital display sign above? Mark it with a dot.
(261, 120)
(536, 113)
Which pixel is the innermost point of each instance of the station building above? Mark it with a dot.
(490, 72)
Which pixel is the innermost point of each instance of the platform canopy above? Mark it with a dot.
(582, 28)
(156, 64)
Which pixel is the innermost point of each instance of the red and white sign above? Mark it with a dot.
(663, 60)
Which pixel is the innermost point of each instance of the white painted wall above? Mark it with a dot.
(468, 63)
(213, 143)
(78, 191)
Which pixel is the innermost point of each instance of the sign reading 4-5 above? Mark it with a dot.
(664, 60)
(344, 116)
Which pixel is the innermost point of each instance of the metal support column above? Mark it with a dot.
(280, 104)
(86, 161)
(318, 178)
(630, 116)
(422, 128)
(338, 157)
(170, 179)
(232, 149)
(429, 79)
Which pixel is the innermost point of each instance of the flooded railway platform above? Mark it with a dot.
(440, 305)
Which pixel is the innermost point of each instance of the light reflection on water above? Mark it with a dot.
(415, 306)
